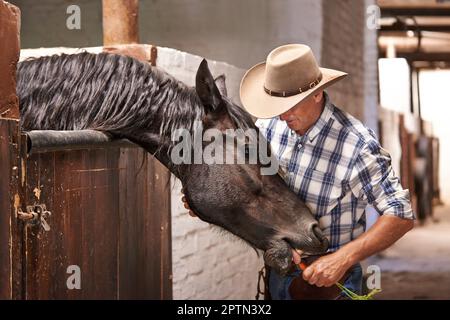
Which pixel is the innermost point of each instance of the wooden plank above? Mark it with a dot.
(145, 239)
(412, 4)
(80, 188)
(9, 48)
(132, 206)
(421, 27)
(110, 216)
(77, 231)
(5, 212)
(11, 198)
(436, 168)
(160, 198)
(37, 276)
(417, 11)
(407, 161)
(103, 215)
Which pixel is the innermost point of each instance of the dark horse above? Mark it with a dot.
(126, 98)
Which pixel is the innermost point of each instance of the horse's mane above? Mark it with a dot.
(107, 92)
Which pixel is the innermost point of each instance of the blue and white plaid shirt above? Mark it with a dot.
(337, 168)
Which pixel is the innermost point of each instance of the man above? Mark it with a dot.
(331, 160)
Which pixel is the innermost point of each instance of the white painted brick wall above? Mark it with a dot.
(208, 264)
(371, 109)
(240, 32)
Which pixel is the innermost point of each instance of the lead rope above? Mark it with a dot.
(261, 275)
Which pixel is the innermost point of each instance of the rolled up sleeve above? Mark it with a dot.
(373, 179)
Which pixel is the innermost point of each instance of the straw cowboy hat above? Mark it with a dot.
(289, 76)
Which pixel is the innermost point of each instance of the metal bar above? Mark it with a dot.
(40, 141)
(120, 22)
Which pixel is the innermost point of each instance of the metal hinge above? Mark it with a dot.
(35, 215)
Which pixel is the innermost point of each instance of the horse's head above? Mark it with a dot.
(250, 200)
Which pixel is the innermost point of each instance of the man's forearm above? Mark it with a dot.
(384, 233)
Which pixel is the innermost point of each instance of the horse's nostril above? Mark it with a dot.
(315, 230)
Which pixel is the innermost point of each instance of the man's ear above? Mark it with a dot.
(206, 88)
(318, 96)
(220, 83)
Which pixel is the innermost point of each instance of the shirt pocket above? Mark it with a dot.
(324, 192)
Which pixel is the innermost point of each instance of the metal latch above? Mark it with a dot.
(35, 215)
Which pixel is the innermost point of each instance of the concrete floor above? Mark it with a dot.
(418, 265)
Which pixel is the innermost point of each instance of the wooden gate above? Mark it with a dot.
(108, 220)
(79, 220)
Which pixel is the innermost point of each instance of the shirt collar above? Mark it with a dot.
(327, 112)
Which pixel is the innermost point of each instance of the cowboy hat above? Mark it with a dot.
(289, 76)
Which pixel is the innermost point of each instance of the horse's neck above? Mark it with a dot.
(156, 144)
(153, 144)
(155, 136)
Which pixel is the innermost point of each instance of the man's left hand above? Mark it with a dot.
(327, 270)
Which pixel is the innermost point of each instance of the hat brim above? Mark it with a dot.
(264, 106)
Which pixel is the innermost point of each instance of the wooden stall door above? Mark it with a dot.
(107, 235)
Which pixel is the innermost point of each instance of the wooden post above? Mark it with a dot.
(11, 229)
(120, 22)
(9, 56)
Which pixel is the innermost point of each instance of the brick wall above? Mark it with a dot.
(207, 262)
(371, 109)
(348, 45)
(239, 32)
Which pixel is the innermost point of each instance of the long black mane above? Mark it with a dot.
(108, 92)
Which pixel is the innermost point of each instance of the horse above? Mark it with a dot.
(129, 99)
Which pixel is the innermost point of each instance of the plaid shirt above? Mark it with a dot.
(337, 168)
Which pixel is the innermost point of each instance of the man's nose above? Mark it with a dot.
(284, 116)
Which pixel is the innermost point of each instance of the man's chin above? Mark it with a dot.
(292, 126)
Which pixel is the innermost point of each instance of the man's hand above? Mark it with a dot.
(186, 205)
(327, 270)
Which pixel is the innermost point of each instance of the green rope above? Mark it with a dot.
(355, 296)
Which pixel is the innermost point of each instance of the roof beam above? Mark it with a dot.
(423, 56)
(433, 28)
(416, 11)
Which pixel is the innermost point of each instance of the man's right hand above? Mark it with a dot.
(186, 205)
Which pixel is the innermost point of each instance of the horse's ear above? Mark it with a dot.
(206, 87)
(221, 85)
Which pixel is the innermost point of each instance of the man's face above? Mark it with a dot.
(299, 117)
